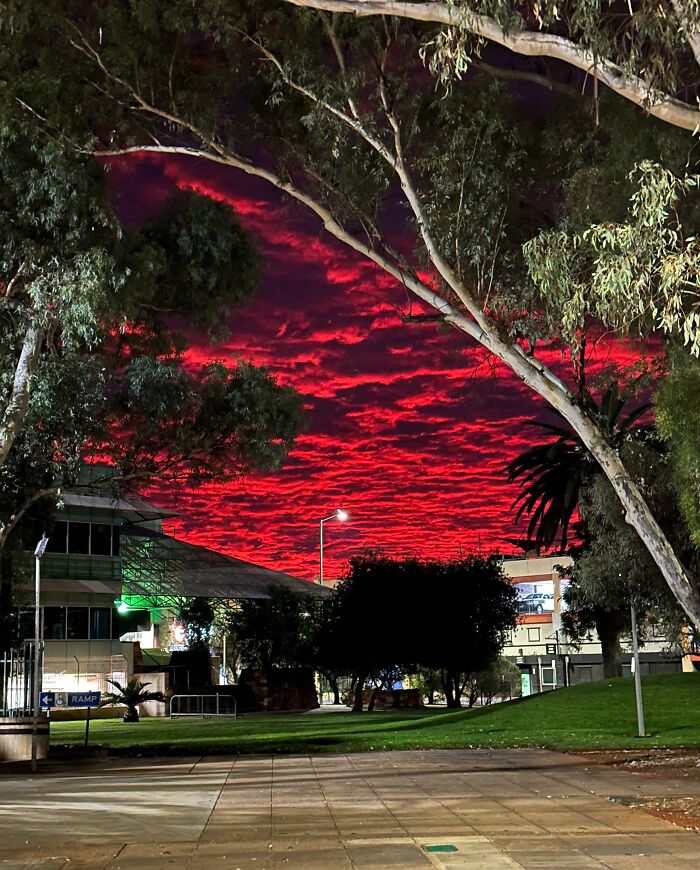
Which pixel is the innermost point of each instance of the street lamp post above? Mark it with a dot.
(637, 674)
(338, 515)
(38, 553)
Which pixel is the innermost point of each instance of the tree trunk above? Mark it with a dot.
(357, 705)
(373, 698)
(450, 687)
(336, 690)
(17, 404)
(131, 715)
(609, 627)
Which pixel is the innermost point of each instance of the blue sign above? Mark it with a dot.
(84, 699)
(46, 700)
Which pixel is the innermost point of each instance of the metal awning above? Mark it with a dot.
(156, 566)
(133, 510)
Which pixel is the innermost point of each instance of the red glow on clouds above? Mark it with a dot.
(408, 428)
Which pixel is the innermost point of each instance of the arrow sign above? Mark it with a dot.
(46, 700)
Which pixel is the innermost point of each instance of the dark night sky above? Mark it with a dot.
(408, 428)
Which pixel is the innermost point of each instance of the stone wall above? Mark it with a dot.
(16, 738)
(390, 699)
(290, 689)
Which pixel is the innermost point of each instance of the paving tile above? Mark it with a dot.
(500, 808)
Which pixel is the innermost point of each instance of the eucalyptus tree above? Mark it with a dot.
(338, 115)
(90, 354)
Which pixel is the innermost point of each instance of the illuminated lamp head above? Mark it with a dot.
(122, 606)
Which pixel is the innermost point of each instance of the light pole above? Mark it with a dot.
(38, 553)
(637, 674)
(338, 515)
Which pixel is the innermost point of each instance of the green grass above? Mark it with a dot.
(596, 715)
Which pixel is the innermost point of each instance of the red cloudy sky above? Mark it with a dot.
(407, 427)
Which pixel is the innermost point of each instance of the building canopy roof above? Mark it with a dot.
(156, 566)
(131, 509)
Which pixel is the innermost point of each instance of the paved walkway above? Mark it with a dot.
(444, 809)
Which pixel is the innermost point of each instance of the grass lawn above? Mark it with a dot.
(595, 715)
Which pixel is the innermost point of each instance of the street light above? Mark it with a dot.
(38, 553)
(340, 515)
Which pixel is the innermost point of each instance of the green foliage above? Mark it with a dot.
(382, 619)
(194, 251)
(636, 275)
(273, 632)
(501, 680)
(56, 241)
(677, 406)
(198, 615)
(218, 424)
(130, 695)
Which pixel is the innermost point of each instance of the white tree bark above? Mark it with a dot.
(531, 44)
(18, 402)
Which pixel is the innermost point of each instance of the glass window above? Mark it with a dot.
(26, 624)
(533, 635)
(78, 623)
(100, 618)
(115, 540)
(79, 538)
(58, 537)
(54, 623)
(548, 677)
(101, 539)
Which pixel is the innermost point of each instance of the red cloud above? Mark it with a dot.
(408, 428)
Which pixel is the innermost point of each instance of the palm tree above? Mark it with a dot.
(131, 695)
(552, 474)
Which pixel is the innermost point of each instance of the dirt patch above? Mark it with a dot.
(660, 764)
(657, 763)
(682, 811)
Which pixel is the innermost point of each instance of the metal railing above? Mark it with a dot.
(203, 706)
(17, 681)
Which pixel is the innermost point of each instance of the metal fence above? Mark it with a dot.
(17, 681)
(203, 706)
(83, 673)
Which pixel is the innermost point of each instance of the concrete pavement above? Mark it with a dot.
(480, 809)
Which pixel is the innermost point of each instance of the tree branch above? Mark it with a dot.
(530, 44)
(6, 528)
(517, 75)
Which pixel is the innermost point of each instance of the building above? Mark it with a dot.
(539, 644)
(111, 581)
